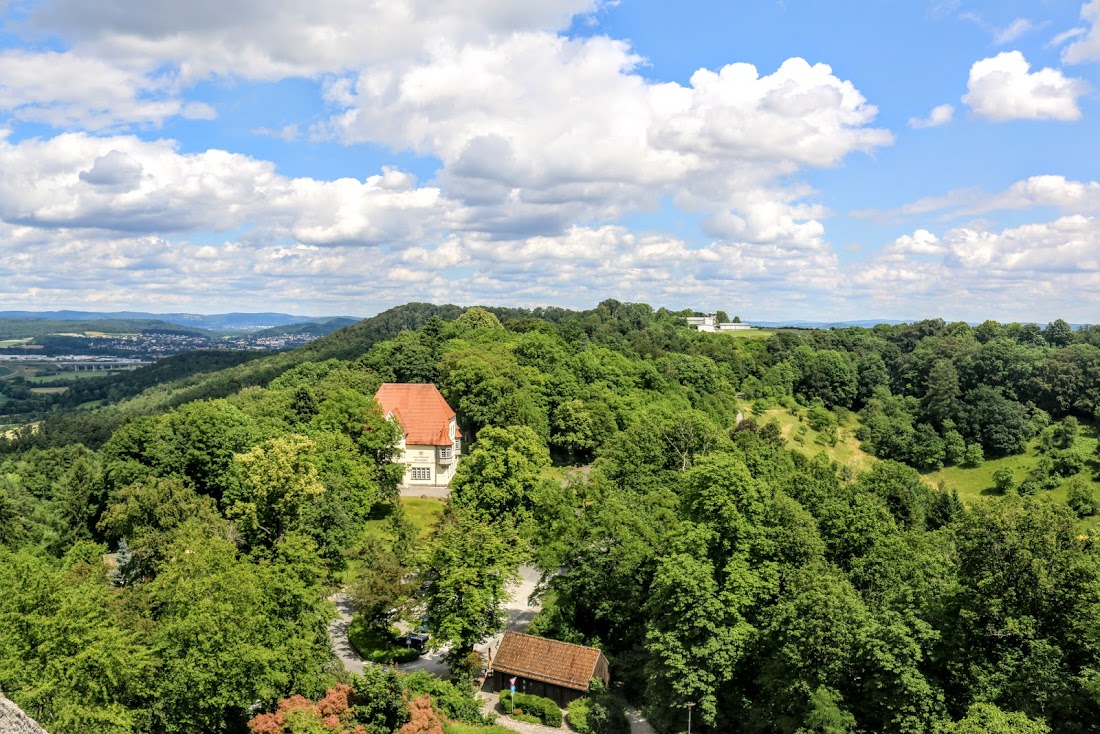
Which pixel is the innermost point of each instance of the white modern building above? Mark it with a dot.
(710, 324)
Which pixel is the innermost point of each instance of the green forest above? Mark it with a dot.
(861, 530)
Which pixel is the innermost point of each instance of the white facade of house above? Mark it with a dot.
(430, 465)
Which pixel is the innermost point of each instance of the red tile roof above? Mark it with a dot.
(561, 663)
(421, 410)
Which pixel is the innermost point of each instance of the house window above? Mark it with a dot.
(421, 473)
(445, 452)
(458, 446)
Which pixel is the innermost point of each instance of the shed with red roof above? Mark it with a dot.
(560, 671)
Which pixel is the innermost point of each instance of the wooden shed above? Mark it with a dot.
(560, 671)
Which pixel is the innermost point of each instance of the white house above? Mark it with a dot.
(430, 439)
(703, 323)
(709, 323)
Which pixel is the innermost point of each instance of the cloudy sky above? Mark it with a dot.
(780, 160)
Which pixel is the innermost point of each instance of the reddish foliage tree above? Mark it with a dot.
(333, 711)
(423, 719)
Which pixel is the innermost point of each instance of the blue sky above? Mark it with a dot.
(779, 160)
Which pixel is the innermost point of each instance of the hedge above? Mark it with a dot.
(544, 709)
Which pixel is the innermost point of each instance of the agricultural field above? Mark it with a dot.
(48, 390)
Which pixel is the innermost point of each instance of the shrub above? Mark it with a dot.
(518, 715)
(544, 709)
(599, 714)
(458, 703)
(974, 455)
(1081, 498)
(1002, 479)
(821, 419)
(577, 715)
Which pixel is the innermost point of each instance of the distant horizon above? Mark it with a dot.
(793, 160)
(4, 313)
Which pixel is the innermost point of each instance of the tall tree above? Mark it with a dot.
(943, 392)
(469, 564)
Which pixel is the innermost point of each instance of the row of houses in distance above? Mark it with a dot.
(710, 323)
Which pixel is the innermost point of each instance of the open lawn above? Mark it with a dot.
(802, 438)
(423, 512)
(8, 343)
(48, 390)
(379, 646)
(6, 372)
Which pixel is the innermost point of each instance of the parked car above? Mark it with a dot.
(417, 640)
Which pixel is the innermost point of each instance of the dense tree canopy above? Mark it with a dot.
(171, 574)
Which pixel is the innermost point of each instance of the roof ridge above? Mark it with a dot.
(551, 639)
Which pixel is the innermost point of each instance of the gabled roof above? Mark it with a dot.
(421, 410)
(537, 658)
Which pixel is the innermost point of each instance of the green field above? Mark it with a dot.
(48, 390)
(6, 372)
(750, 333)
(8, 343)
(59, 375)
(974, 484)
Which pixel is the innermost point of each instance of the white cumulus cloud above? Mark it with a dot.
(1004, 88)
(67, 90)
(1087, 48)
(940, 115)
(536, 131)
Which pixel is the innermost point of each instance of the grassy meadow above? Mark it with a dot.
(972, 484)
(801, 437)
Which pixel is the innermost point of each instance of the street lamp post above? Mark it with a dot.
(690, 705)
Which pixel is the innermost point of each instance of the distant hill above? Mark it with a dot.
(311, 328)
(220, 322)
(20, 327)
(348, 342)
(796, 324)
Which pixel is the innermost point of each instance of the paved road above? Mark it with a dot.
(338, 634)
(519, 611)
